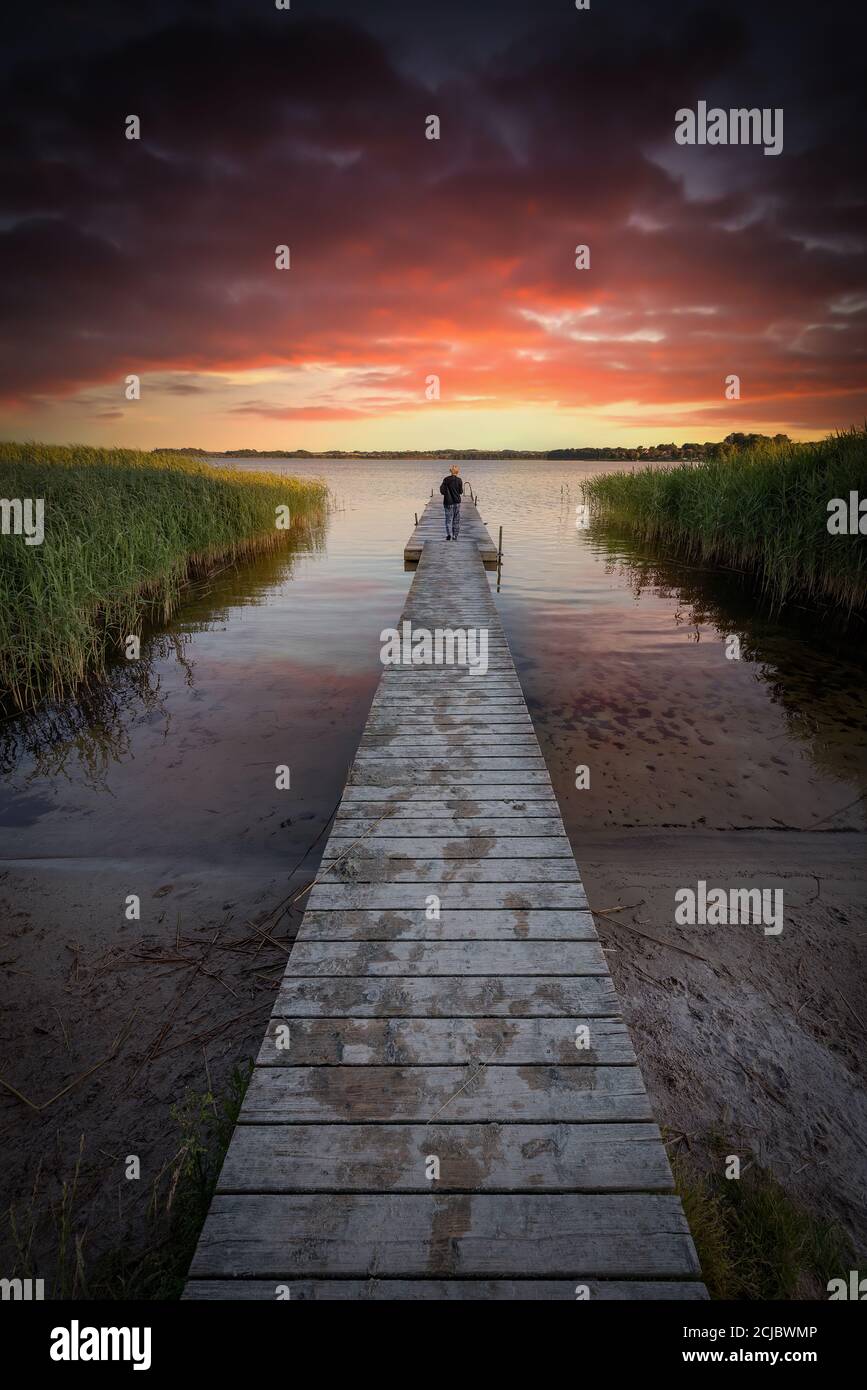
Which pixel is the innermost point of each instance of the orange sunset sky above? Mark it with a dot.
(412, 257)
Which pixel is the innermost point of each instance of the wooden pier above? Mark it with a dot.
(431, 527)
(447, 1103)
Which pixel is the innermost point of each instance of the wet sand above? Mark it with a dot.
(762, 1039)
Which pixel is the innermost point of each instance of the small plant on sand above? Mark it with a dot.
(49, 1237)
(753, 1240)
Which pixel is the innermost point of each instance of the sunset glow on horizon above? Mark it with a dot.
(413, 258)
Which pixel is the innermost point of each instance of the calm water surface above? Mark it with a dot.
(622, 657)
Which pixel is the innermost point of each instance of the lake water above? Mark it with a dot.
(622, 658)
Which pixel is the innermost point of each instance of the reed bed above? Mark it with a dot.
(124, 533)
(762, 510)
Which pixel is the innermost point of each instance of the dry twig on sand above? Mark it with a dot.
(117, 1044)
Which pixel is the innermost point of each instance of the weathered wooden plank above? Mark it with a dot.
(468, 642)
(464, 635)
(491, 896)
(451, 925)
(442, 605)
(497, 664)
(497, 660)
(480, 697)
(463, 745)
(476, 657)
(375, 1290)
(477, 698)
(447, 672)
(444, 595)
(515, 848)
(459, 688)
(472, 1158)
(443, 1041)
(412, 715)
(381, 760)
(496, 680)
(447, 609)
(428, 737)
(447, 790)
(399, 1234)
(383, 869)
(484, 690)
(446, 958)
(455, 781)
(463, 691)
(413, 720)
(429, 744)
(479, 701)
(515, 810)
(465, 629)
(474, 1093)
(492, 673)
(396, 828)
(406, 730)
(451, 617)
(512, 996)
(425, 718)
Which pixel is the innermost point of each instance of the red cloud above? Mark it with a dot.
(454, 258)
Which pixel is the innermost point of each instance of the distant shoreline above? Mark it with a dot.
(639, 453)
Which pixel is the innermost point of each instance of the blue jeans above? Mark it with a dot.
(453, 520)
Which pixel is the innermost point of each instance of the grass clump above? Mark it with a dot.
(124, 531)
(180, 1198)
(762, 509)
(753, 1240)
(51, 1236)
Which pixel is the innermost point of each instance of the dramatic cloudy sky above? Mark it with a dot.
(412, 257)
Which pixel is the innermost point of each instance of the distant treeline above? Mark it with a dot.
(711, 449)
(644, 452)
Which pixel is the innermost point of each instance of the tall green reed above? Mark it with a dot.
(124, 532)
(762, 510)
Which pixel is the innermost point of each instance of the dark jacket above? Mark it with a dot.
(451, 489)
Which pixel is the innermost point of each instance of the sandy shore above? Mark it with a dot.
(762, 1038)
(755, 1037)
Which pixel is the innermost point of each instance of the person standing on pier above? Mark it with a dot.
(452, 489)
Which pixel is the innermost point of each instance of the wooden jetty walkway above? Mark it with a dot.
(424, 1042)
